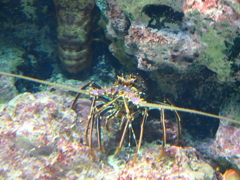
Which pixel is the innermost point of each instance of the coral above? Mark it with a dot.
(199, 22)
(119, 13)
(29, 9)
(215, 20)
(74, 26)
(133, 9)
(11, 57)
(224, 150)
(226, 147)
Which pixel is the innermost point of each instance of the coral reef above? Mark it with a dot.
(223, 151)
(185, 48)
(121, 12)
(74, 24)
(215, 20)
(116, 29)
(11, 57)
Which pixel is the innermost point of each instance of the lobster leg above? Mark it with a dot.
(99, 134)
(145, 115)
(178, 118)
(84, 87)
(89, 126)
(129, 118)
(113, 114)
(164, 134)
(96, 114)
(179, 127)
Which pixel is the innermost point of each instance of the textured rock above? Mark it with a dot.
(226, 147)
(177, 163)
(215, 9)
(8, 90)
(42, 138)
(224, 150)
(156, 49)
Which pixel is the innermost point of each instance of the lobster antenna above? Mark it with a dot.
(170, 107)
(67, 88)
(142, 104)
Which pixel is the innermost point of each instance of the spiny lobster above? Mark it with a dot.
(122, 96)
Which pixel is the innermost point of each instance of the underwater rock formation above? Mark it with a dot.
(200, 23)
(226, 147)
(223, 151)
(28, 37)
(178, 163)
(8, 90)
(155, 49)
(74, 25)
(116, 29)
(214, 9)
(43, 138)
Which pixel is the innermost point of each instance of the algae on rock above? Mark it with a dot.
(214, 58)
